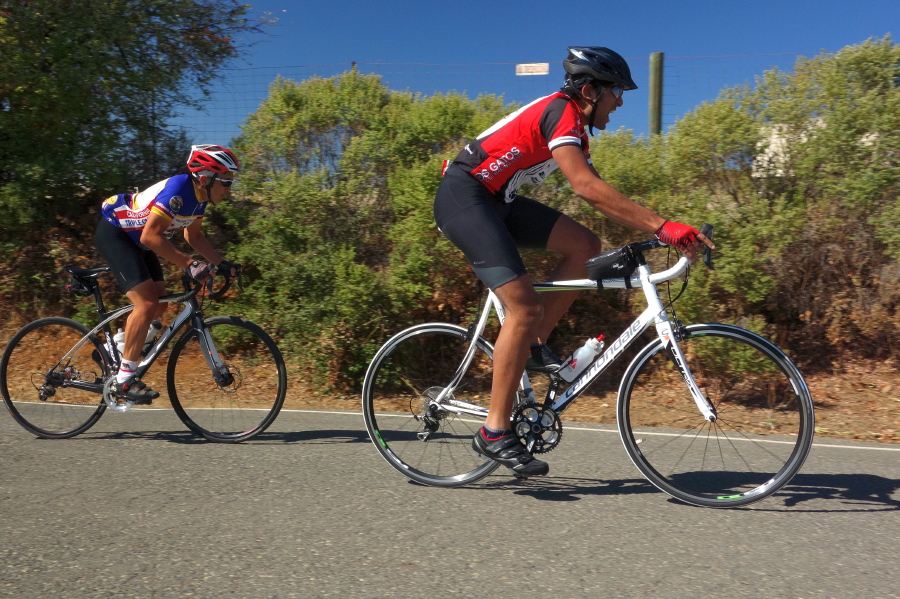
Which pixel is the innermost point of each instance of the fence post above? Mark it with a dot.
(656, 92)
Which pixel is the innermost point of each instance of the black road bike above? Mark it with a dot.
(225, 377)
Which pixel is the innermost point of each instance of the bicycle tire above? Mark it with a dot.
(30, 362)
(413, 366)
(763, 432)
(252, 399)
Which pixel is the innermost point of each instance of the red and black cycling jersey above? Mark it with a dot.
(517, 149)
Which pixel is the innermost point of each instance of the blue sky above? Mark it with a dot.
(325, 37)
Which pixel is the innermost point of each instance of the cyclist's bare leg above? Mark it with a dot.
(145, 297)
(577, 244)
(524, 311)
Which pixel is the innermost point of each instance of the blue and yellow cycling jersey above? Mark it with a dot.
(175, 199)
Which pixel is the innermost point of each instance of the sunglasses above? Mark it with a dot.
(617, 91)
(226, 182)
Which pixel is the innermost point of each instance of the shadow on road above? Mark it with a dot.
(265, 438)
(842, 492)
(808, 492)
(856, 492)
(315, 436)
(571, 489)
(188, 438)
(182, 437)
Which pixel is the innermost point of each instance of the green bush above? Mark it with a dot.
(333, 216)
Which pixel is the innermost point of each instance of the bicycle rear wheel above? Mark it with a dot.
(765, 423)
(247, 401)
(422, 440)
(51, 398)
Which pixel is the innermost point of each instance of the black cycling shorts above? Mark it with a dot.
(489, 230)
(130, 263)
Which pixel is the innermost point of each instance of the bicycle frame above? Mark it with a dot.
(190, 313)
(654, 314)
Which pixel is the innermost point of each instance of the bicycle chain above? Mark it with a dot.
(537, 426)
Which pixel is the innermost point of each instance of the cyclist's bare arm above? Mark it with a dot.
(153, 236)
(197, 240)
(605, 198)
(600, 194)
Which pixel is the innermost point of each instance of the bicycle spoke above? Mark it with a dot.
(427, 441)
(242, 400)
(50, 398)
(761, 436)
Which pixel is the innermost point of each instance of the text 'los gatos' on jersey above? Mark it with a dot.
(517, 150)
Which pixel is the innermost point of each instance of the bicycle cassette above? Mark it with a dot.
(537, 426)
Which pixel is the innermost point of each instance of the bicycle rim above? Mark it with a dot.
(765, 419)
(418, 438)
(247, 401)
(37, 386)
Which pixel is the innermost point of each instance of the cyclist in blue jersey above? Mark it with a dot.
(478, 208)
(136, 230)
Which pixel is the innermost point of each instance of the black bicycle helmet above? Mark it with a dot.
(594, 64)
(601, 64)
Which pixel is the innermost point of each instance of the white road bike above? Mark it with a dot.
(712, 414)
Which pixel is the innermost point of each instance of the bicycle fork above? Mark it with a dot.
(223, 376)
(668, 337)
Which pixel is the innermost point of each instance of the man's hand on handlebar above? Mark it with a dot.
(685, 238)
(228, 269)
(199, 271)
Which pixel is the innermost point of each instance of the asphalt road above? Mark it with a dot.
(137, 507)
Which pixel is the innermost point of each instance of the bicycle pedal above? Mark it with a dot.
(517, 475)
(478, 455)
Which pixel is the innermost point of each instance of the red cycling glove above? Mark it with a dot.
(677, 235)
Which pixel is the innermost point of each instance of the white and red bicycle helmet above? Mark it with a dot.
(212, 159)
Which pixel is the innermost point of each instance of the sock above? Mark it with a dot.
(492, 434)
(126, 371)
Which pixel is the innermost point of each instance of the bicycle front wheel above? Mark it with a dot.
(422, 439)
(764, 427)
(237, 404)
(49, 396)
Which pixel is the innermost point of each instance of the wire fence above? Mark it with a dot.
(688, 81)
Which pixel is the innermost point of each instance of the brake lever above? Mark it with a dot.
(238, 279)
(708, 231)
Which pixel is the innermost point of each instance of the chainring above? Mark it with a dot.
(537, 426)
(112, 402)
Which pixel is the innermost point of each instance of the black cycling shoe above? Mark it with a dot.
(135, 391)
(542, 359)
(510, 452)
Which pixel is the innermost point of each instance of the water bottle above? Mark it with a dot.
(581, 359)
(119, 339)
(152, 332)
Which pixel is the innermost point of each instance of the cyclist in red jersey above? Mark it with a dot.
(136, 230)
(478, 208)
